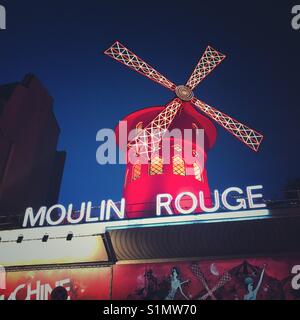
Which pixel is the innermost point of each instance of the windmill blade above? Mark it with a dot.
(148, 140)
(210, 59)
(120, 53)
(249, 137)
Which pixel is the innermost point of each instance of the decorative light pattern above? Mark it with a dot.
(120, 53)
(156, 166)
(148, 140)
(211, 58)
(197, 171)
(136, 171)
(250, 137)
(178, 166)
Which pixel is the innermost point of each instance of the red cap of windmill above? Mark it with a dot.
(143, 181)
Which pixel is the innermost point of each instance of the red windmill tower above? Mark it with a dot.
(144, 180)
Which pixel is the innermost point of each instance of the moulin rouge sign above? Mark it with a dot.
(233, 199)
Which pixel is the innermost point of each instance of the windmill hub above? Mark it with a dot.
(184, 93)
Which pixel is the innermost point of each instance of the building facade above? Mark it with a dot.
(31, 168)
(251, 258)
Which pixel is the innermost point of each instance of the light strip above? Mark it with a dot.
(98, 228)
(188, 219)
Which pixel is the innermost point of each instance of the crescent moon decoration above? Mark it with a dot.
(214, 270)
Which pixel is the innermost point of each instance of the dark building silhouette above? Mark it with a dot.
(30, 166)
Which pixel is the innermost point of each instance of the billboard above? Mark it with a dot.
(92, 283)
(238, 279)
(273, 278)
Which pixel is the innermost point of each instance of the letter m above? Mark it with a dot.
(33, 219)
(2, 18)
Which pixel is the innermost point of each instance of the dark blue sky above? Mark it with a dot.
(258, 83)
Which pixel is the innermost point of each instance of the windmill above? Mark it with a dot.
(148, 138)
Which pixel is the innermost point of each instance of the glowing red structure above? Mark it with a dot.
(145, 180)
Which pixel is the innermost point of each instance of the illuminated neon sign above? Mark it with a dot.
(108, 210)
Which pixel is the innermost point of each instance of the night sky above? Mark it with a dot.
(62, 43)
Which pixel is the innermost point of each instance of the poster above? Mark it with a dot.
(80, 284)
(237, 279)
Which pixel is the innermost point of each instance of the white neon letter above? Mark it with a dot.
(241, 202)
(251, 196)
(119, 212)
(29, 215)
(61, 217)
(216, 202)
(70, 219)
(179, 198)
(166, 204)
(88, 217)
